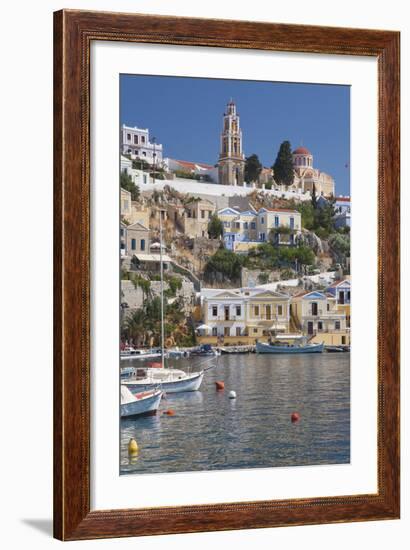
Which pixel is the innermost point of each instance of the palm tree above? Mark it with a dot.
(134, 327)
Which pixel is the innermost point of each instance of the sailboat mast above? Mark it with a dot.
(161, 287)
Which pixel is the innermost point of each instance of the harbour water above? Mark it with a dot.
(209, 431)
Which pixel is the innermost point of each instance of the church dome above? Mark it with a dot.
(301, 151)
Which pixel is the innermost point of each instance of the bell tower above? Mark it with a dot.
(231, 165)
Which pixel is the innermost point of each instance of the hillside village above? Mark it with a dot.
(247, 251)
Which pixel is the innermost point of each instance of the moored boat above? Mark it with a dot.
(170, 380)
(141, 404)
(229, 350)
(205, 350)
(262, 347)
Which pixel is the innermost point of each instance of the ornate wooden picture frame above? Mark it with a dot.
(74, 32)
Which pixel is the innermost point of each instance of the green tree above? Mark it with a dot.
(215, 227)
(308, 214)
(253, 168)
(134, 327)
(223, 265)
(324, 217)
(283, 167)
(127, 184)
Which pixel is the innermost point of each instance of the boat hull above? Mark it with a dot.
(142, 407)
(192, 383)
(280, 349)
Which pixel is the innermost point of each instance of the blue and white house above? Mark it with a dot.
(244, 230)
(341, 290)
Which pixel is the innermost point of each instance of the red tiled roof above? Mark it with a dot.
(301, 151)
(192, 165)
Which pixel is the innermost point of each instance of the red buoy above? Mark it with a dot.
(169, 412)
(295, 416)
(219, 385)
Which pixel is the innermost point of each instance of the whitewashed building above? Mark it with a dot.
(224, 314)
(136, 143)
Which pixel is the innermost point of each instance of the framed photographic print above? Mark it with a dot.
(226, 275)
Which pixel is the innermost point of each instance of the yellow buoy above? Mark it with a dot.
(132, 447)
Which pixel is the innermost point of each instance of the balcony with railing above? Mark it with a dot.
(323, 314)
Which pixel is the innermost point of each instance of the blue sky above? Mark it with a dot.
(185, 115)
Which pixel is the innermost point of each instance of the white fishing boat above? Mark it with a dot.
(170, 380)
(145, 403)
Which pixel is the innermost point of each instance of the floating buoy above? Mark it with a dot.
(295, 416)
(169, 412)
(232, 394)
(220, 385)
(132, 447)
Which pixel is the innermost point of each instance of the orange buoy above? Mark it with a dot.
(169, 412)
(295, 417)
(220, 385)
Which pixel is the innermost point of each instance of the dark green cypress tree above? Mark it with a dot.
(253, 168)
(283, 167)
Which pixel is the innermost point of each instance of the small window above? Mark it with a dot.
(142, 244)
(128, 137)
(253, 225)
(262, 221)
(256, 311)
(245, 225)
(238, 331)
(214, 331)
(255, 330)
(136, 140)
(328, 307)
(214, 311)
(142, 139)
(238, 310)
(202, 213)
(280, 310)
(122, 232)
(276, 221)
(320, 325)
(337, 325)
(133, 244)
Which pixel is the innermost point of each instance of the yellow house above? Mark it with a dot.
(341, 290)
(316, 314)
(267, 312)
(281, 225)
